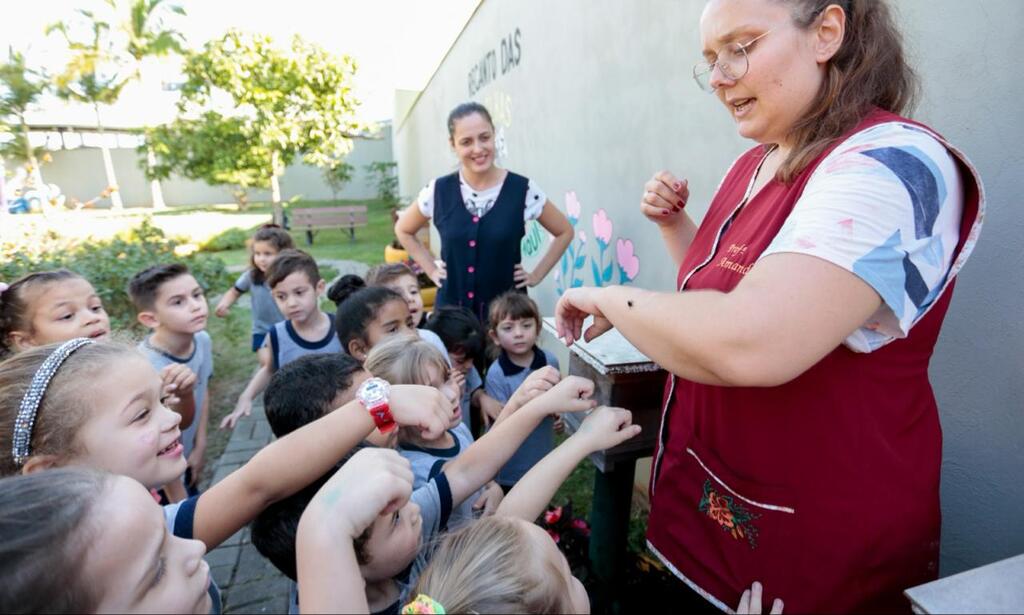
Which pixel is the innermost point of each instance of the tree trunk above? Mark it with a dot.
(154, 185)
(108, 164)
(275, 189)
(37, 173)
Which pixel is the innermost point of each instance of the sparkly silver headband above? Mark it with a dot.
(30, 402)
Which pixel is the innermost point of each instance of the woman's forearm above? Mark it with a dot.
(550, 259)
(419, 253)
(678, 237)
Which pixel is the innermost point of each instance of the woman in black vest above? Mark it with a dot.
(480, 211)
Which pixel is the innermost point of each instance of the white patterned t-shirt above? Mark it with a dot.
(885, 205)
(479, 202)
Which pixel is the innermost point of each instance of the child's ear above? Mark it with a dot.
(321, 286)
(20, 340)
(357, 348)
(148, 320)
(38, 463)
(493, 336)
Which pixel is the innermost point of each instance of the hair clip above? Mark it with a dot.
(26, 419)
(423, 605)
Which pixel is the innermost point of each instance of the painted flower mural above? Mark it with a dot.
(603, 266)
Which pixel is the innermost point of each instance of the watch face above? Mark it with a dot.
(374, 391)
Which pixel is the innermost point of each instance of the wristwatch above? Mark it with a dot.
(373, 394)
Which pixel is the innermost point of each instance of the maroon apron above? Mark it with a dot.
(826, 488)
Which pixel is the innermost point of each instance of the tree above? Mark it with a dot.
(92, 76)
(20, 88)
(216, 149)
(291, 102)
(106, 58)
(337, 176)
(148, 36)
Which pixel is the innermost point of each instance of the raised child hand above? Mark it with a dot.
(488, 502)
(374, 482)
(242, 408)
(421, 406)
(572, 394)
(606, 427)
(750, 602)
(539, 381)
(178, 379)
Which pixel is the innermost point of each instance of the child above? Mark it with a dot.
(170, 302)
(389, 551)
(514, 327)
(465, 341)
(267, 243)
(49, 306)
(497, 573)
(408, 360)
(98, 405)
(367, 315)
(399, 278)
(295, 281)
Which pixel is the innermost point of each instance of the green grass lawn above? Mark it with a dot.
(368, 246)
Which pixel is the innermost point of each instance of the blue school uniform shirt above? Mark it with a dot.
(180, 518)
(264, 309)
(503, 378)
(429, 462)
(200, 362)
(286, 345)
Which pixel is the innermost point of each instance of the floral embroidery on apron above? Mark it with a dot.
(731, 516)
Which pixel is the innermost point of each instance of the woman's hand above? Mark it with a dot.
(573, 308)
(439, 273)
(664, 198)
(524, 278)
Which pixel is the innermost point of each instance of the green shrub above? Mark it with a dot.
(110, 264)
(231, 239)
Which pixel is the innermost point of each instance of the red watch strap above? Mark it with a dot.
(382, 418)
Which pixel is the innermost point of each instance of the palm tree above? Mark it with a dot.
(20, 87)
(148, 36)
(93, 76)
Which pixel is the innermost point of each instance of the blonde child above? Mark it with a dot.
(407, 360)
(98, 405)
(389, 551)
(268, 241)
(49, 306)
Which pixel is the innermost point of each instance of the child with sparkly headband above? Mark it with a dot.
(98, 405)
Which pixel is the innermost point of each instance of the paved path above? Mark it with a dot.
(248, 582)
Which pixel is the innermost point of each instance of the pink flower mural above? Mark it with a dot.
(629, 263)
(602, 227)
(602, 267)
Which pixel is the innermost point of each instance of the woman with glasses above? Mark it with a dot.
(481, 212)
(800, 442)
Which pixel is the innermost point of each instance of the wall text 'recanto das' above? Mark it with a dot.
(485, 70)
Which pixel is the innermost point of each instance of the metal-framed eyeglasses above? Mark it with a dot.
(731, 59)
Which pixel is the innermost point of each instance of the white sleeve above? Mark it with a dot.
(886, 206)
(535, 200)
(425, 200)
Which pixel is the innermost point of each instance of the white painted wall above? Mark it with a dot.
(602, 98)
(79, 173)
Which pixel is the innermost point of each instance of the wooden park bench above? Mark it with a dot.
(313, 219)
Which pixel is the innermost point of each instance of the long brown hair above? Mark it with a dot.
(46, 528)
(869, 70)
